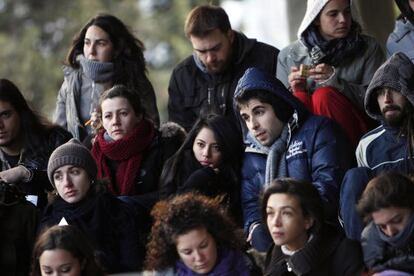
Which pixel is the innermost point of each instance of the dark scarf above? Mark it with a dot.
(128, 152)
(335, 51)
(229, 263)
(95, 70)
(402, 239)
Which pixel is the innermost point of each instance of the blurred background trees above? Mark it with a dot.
(35, 37)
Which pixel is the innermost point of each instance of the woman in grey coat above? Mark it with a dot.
(331, 64)
(103, 53)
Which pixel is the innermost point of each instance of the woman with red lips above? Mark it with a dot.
(83, 202)
(208, 162)
(303, 243)
(341, 62)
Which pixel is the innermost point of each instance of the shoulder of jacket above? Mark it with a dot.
(186, 64)
(295, 50)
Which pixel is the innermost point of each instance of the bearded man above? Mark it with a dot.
(389, 147)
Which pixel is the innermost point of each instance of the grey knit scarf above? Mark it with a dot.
(97, 71)
(276, 153)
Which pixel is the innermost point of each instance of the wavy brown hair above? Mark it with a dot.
(128, 59)
(181, 214)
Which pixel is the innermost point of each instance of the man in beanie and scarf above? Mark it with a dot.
(387, 204)
(341, 62)
(82, 201)
(284, 140)
(402, 38)
(389, 147)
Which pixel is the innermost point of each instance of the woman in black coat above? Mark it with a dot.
(303, 243)
(208, 162)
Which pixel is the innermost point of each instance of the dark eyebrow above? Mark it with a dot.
(210, 49)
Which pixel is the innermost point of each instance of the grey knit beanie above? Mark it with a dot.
(71, 153)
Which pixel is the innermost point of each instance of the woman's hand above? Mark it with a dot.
(321, 72)
(95, 120)
(297, 82)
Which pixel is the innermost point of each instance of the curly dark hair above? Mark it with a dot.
(184, 213)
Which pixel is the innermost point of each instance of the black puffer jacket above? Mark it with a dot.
(193, 92)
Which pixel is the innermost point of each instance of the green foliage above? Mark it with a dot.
(35, 37)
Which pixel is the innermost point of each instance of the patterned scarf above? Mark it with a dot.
(128, 152)
(335, 51)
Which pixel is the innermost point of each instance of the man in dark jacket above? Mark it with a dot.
(205, 82)
(26, 142)
(284, 140)
(389, 147)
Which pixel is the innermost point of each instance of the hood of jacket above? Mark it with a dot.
(313, 8)
(256, 79)
(242, 45)
(396, 73)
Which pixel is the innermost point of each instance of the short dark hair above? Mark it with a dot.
(281, 108)
(204, 19)
(390, 189)
(68, 238)
(123, 92)
(181, 214)
(308, 196)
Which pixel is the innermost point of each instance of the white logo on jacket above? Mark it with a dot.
(295, 148)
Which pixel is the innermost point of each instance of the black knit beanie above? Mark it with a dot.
(71, 153)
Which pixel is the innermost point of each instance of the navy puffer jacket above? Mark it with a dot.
(316, 152)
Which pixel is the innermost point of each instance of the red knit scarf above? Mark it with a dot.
(128, 152)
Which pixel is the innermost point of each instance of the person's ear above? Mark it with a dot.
(230, 35)
(309, 222)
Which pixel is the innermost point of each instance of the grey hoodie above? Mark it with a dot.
(396, 73)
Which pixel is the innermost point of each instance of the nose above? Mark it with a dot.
(1, 124)
(210, 57)
(115, 119)
(66, 181)
(206, 151)
(341, 17)
(277, 220)
(254, 124)
(388, 97)
(91, 49)
(390, 231)
(198, 256)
